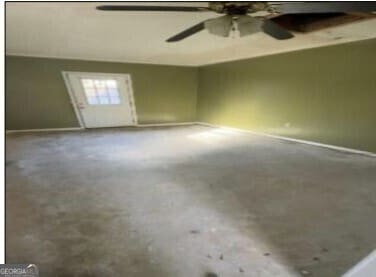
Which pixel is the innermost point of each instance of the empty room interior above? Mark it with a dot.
(191, 139)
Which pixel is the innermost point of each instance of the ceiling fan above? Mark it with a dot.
(244, 16)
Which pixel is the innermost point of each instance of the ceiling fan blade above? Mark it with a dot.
(188, 32)
(324, 7)
(276, 31)
(151, 8)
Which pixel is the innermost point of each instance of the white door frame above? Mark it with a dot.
(74, 100)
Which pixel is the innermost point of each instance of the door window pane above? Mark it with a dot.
(113, 92)
(114, 100)
(92, 100)
(104, 100)
(90, 92)
(101, 91)
(111, 84)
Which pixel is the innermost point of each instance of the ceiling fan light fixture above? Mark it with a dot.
(220, 26)
(248, 25)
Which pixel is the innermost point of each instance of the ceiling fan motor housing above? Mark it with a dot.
(238, 8)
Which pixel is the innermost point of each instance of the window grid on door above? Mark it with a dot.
(101, 91)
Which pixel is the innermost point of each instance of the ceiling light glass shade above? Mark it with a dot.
(220, 26)
(248, 25)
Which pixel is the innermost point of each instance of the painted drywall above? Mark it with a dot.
(326, 95)
(37, 98)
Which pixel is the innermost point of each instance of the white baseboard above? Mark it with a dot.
(366, 267)
(339, 148)
(79, 128)
(43, 130)
(166, 124)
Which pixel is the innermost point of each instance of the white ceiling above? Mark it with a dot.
(79, 31)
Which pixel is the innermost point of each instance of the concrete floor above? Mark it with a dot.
(185, 202)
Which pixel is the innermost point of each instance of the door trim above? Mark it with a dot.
(73, 99)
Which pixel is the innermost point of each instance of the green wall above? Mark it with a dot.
(326, 95)
(36, 96)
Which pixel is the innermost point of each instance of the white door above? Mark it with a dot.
(102, 100)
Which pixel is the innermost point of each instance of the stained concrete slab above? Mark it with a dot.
(185, 201)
